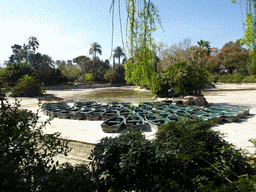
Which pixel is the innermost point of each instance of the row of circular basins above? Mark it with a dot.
(118, 114)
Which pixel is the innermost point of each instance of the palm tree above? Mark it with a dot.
(46, 63)
(204, 44)
(118, 53)
(96, 48)
(33, 43)
(24, 51)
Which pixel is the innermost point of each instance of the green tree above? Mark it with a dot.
(205, 50)
(24, 52)
(14, 58)
(71, 72)
(142, 24)
(33, 57)
(250, 34)
(232, 56)
(14, 71)
(60, 64)
(85, 63)
(46, 64)
(33, 43)
(118, 53)
(95, 48)
(28, 85)
(78, 59)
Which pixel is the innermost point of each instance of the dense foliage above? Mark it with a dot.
(140, 68)
(186, 155)
(26, 154)
(185, 79)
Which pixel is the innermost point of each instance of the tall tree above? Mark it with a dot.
(14, 58)
(33, 57)
(95, 48)
(250, 34)
(118, 53)
(33, 43)
(204, 44)
(60, 64)
(140, 70)
(24, 52)
(46, 63)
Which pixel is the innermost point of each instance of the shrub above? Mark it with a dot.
(227, 78)
(28, 85)
(71, 72)
(110, 75)
(207, 162)
(88, 77)
(184, 79)
(185, 156)
(69, 178)
(130, 162)
(26, 154)
(14, 71)
(249, 79)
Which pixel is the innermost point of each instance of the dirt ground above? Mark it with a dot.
(223, 94)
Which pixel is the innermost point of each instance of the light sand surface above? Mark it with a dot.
(237, 133)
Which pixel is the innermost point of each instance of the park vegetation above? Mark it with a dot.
(186, 155)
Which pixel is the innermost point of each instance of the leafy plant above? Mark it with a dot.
(183, 78)
(69, 178)
(27, 85)
(207, 162)
(26, 153)
(88, 78)
(228, 78)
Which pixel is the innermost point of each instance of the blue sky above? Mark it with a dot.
(66, 28)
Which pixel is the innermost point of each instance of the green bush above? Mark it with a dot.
(88, 77)
(71, 72)
(227, 78)
(249, 79)
(185, 79)
(28, 86)
(110, 75)
(207, 162)
(69, 178)
(130, 162)
(185, 156)
(15, 71)
(26, 154)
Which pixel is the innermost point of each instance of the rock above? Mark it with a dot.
(195, 100)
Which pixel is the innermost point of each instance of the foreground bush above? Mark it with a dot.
(207, 162)
(185, 156)
(26, 155)
(69, 178)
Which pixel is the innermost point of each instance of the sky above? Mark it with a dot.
(66, 29)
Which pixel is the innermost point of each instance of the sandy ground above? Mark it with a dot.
(90, 132)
